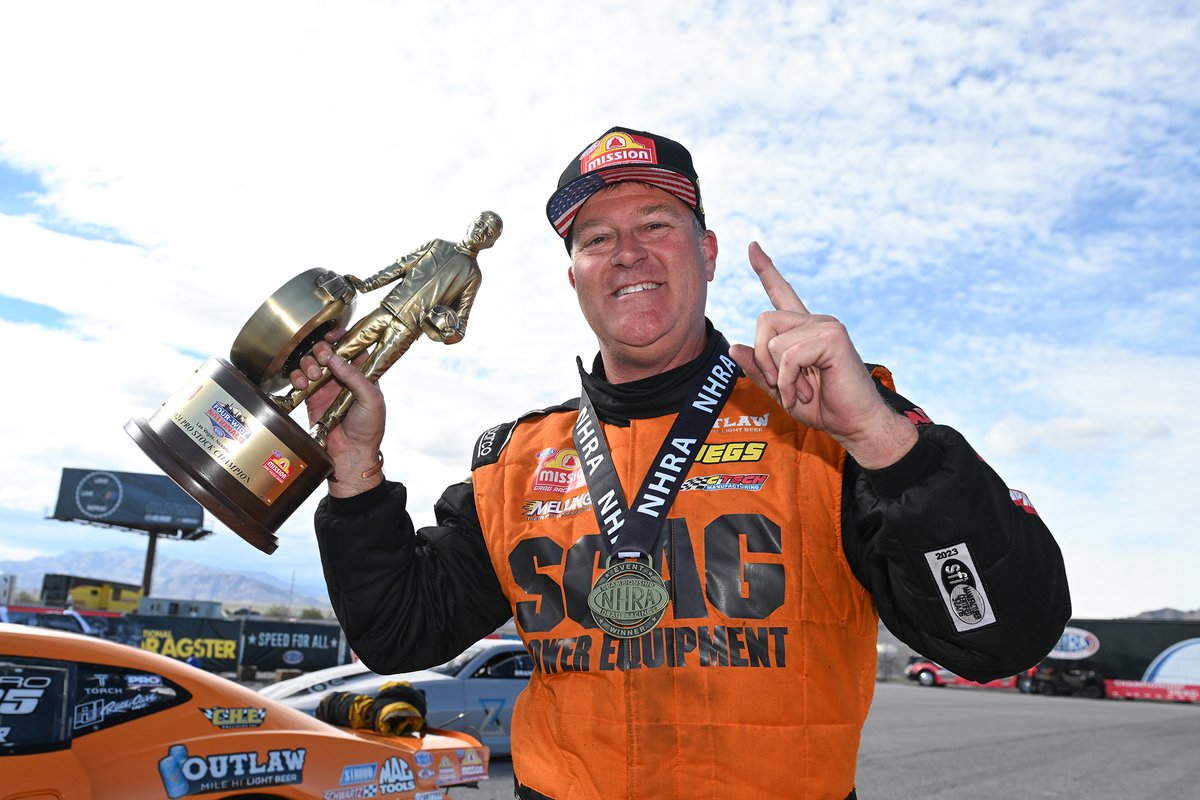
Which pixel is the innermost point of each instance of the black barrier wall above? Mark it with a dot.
(307, 646)
(223, 645)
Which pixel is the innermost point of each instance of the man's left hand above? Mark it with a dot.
(809, 365)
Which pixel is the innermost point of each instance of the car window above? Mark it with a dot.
(507, 665)
(43, 619)
(105, 696)
(459, 662)
(33, 706)
(45, 703)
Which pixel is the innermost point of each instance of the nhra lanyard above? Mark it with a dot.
(633, 532)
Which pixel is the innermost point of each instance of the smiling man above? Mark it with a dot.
(698, 549)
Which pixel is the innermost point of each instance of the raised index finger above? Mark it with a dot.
(779, 291)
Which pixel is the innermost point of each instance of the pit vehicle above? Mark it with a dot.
(1124, 658)
(929, 673)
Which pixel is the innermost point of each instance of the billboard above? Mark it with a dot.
(126, 500)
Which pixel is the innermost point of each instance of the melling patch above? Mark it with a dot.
(618, 148)
(961, 588)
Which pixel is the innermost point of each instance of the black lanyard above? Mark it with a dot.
(633, 532)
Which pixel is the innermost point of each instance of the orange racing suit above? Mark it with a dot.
(758, 679)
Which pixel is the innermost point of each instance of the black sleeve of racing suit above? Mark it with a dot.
(938, 495)
(408, 599)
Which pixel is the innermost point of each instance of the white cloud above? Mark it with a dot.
(999, 201)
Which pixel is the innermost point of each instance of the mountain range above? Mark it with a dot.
(174, 578)
(180, 579)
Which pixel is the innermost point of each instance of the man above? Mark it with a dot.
(695, 559)
(438, 284)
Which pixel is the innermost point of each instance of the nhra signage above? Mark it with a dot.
(222, 645)
(1075, 644)
(290, 645)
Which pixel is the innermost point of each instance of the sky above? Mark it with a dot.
(1000, 201)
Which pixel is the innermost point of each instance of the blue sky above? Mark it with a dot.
(1000, 202)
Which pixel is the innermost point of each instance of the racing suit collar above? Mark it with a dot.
(617, 403)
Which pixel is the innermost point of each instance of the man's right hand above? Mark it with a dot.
(353, 445)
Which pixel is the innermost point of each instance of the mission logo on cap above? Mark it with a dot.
(622, 154)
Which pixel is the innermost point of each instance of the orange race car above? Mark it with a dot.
(82, 718)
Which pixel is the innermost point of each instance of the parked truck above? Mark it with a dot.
(97, 594)
(1124, 658)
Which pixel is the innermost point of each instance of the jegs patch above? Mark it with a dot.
(960, 585)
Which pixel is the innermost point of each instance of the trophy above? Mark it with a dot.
(228, 440)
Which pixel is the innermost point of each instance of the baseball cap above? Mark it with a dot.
(623, 154)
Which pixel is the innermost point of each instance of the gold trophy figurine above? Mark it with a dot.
(437, 285)
(230, 444)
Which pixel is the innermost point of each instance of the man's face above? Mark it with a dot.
(482, 234)
(640, 270)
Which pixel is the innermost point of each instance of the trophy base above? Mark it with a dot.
(234, 451)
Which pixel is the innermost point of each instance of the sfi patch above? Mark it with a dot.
(961, 588)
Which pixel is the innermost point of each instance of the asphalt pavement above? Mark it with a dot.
(991, 744)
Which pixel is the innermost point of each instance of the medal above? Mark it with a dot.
(629, 598)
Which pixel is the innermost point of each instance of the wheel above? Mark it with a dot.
(1093, 691)
(1025, 684)
(926, 678)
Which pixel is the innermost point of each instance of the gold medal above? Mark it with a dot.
(629, 598)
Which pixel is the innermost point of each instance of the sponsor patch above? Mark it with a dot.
(727, 452)
(96, 711)
(235, 717)
(557, 471)
(278, 466)
(618, 148)
(1076, 644)
(918, 417)
(396, 776)
(487, 442)
(961, 588)
(747, 423)
(535, 510)
(472, 764)
(358, 773)
(352, 792)
(1022, 501)
(184, 774)
(141, 681)
(712, 483)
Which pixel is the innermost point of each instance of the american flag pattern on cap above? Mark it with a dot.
(623, 155)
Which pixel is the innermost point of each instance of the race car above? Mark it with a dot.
(83, 718)
(474, 692)
(929, 673)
